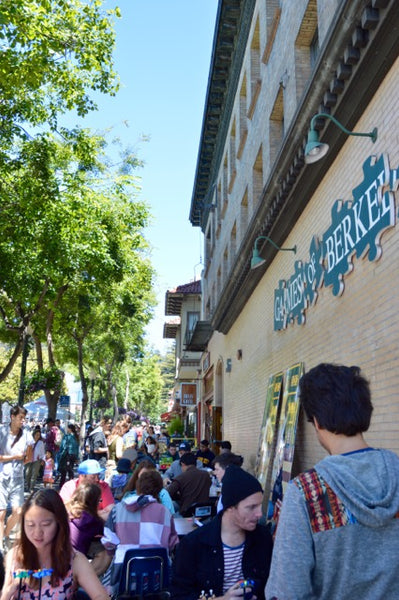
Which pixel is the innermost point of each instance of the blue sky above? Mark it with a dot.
(163, 52)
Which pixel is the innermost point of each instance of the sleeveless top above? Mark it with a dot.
(64, 591)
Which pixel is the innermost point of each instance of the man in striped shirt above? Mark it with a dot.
(217, 557)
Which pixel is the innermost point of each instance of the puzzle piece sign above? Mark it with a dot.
(355, 231)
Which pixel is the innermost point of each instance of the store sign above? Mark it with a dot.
(188, 394)
(355, 231)
(64, 401)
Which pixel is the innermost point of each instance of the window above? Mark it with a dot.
(192, 318)
(243, 132)
(225, 265)
(277, 125)
(219, 282)
(273, 13)
(255, 70)
(257, 178)
(306, 47)
(232, 157)
(225, 191)
(218, 210)
(233, 244)
(244, 215)
(208, 244)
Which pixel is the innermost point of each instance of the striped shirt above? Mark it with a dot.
(232, 565)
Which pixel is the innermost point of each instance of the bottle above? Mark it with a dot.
(133, 583)
(145, 584)
(157, 581)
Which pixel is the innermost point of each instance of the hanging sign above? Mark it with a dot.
(356, 229)
(188, 396)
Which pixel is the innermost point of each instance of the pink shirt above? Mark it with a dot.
(70, 486)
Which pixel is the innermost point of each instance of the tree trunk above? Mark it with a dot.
(83, 382)
(127, 389)
(115, 403)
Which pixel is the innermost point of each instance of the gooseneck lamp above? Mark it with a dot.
(257, 260)
(315, 150)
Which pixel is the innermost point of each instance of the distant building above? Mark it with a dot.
(183, 303)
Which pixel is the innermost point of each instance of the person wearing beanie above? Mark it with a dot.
(229, 549)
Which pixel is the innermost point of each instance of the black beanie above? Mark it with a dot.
(237, 485)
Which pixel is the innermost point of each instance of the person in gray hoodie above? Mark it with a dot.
(338, 531)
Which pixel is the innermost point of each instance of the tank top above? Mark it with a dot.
(64, 591)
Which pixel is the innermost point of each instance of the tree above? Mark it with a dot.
(52, 53)
(72, 235)
(167, 364)
(146, 386)
(71, 243)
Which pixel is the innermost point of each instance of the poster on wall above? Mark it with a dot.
(268, 432)
(285, 445)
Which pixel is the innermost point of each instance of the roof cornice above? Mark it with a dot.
(233, 23)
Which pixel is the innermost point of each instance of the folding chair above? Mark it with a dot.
(201, 510)
(144, 575)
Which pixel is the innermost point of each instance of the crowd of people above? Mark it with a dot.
(74, 509)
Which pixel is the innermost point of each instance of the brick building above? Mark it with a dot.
(275, 65)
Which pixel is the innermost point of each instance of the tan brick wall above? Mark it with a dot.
(360, 327)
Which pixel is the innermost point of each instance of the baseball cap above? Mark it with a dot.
(185, 446)
(89, 467)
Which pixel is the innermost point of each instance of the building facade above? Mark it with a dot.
(183, 304)
(333, 296)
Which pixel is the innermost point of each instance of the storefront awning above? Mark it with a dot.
(168, 416)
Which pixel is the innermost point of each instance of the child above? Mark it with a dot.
(84, 522)
(120, 477)
(48, 473)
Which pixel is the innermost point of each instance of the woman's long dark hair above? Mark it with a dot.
(72, 428)
(26, 553)
(150, 483)
(16, 410)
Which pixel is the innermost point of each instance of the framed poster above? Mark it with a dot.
(268, 432)
(285, 446)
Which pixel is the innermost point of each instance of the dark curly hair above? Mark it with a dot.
(338, 397)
